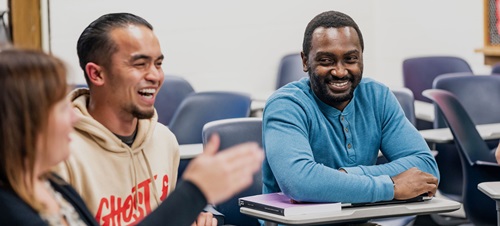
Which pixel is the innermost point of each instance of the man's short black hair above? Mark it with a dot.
(95, 45)
(327, 20)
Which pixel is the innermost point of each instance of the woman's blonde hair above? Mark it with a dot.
(31, 82)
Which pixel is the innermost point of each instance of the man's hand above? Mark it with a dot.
(220, 176)
(205, 219)
(414, 182)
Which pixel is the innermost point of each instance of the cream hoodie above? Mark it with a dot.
(115, 180)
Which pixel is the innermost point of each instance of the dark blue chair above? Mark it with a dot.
(495, 69)
(170, 96)
(479, 95)
(420, 72)
(290, 69)
(406, 100)
(478, 162)
(235, 131)
(197, 109)
(475, 92)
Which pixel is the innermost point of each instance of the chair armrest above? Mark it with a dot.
(487, 163)
(491, 189)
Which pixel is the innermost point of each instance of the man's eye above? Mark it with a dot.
(325, 61)
(351, 59)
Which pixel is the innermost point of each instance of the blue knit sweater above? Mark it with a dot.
(306, 141)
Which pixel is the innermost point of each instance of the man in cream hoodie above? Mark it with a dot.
(122, 161)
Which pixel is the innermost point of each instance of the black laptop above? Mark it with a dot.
(420, 198)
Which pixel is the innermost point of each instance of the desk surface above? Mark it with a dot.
(424, 111)
(487, 132)
(262, 96)
(189, 151)
(436, 205)
(492, 189)
(259, 100)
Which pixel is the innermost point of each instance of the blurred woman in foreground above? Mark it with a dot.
(35, 123)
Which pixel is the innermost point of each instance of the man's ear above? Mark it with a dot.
(95, 73)
(305, 67)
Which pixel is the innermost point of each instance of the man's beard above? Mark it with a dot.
(323, 92)
(136, 112)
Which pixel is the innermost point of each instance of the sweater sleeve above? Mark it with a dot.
(182, 207)
(402, 145)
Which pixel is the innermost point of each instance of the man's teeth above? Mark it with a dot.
(147, 92)
(341, 84)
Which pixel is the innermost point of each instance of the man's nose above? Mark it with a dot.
(155, 73)
(339, 71)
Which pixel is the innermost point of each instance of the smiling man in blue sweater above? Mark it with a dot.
(322, 134)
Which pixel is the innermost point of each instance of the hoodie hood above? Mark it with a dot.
(101, 135)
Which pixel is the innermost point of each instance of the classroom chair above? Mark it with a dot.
(406, 100)
(290, 69)
(420, 72)
(235, 131)
(495, 69)
(171, 94)
(479, 95)
(478, 162)
(199, 108)
(202, 107)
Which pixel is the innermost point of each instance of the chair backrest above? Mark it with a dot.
(406, 100)
(478, 95)
(495, 69)
(232, 132)
(170, 96)
(419, 72)
(290, 69)
(199, 108)
(477, 160)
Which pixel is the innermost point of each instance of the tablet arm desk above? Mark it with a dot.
(436, 205)
(492, 189)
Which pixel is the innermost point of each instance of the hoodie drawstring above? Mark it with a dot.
(134, 179)
(155, 190)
